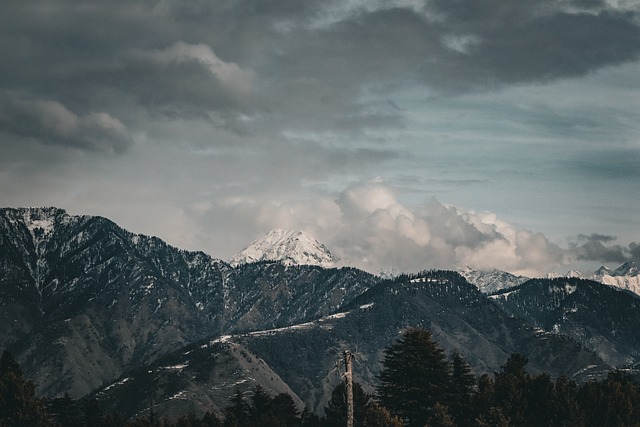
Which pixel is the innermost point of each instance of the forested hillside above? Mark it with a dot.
(419, 385)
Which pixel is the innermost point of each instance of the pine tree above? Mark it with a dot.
(285, 410)
(261, 407)
(510, 389)
(566, 410)
(237, 414)
(461, 390)
(336, 409)
(414, 377)
(18, 403)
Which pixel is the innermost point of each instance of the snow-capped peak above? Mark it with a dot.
(490, 281)
(629, 268)
(602, 271)
(287, 246)
(626, 276)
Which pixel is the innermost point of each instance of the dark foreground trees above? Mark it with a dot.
(19, 405)
(419, 386)
(415, 377)
(429, 390)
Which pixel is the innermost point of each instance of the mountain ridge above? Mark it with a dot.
(89, 302)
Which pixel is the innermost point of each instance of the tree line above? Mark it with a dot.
(418, 386)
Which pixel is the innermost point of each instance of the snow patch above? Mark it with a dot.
(180, 366)
(117, 384)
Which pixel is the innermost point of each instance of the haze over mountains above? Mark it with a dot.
(298, 247)
(93, 309)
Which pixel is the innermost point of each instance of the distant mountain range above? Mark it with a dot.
(94, 310)
(626, 276)
(299, 248)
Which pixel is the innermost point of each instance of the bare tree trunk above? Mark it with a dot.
(349, 382)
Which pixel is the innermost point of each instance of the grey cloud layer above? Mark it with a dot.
(241, 115)
(598, 247)
(51, 122)
(301, 62)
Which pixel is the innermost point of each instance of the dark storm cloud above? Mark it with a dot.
(290, 59)
(50, 122)
(634, 249)
(511, 42)
(304, 61)
(598, 247)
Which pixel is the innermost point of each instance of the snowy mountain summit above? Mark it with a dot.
(289, 247)
(626, 276)
(491, 281)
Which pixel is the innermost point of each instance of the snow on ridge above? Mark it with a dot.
(626, 276)
(43, 219)
(491, 281)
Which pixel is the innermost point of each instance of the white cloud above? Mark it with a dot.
(230, 75)
(368, 227)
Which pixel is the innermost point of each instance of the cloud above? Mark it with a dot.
(510, 42)
(297, 65)
(599, 247)
(368, 227)
(187, 73)
(262, 112)
(50, 122)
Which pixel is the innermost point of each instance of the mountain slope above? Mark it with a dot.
(459, 316)
(198, 378)
(88, 303)
(90, 300)
(604, 319)
(288, 247)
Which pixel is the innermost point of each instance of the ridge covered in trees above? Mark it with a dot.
(418, 386)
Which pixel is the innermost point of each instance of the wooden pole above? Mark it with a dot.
(349, 382)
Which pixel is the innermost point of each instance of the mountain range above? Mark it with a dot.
(95, 310)
(626, 277)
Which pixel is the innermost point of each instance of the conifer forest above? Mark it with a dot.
(419, 385)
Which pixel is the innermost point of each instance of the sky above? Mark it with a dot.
(402, 134)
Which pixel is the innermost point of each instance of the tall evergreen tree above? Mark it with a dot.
(510, 389)
(19, 405)
(262, 411)
(237, 414)
(336, 409)
(414, 377)
(461, 391)
(285, 410)
(566, 410)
